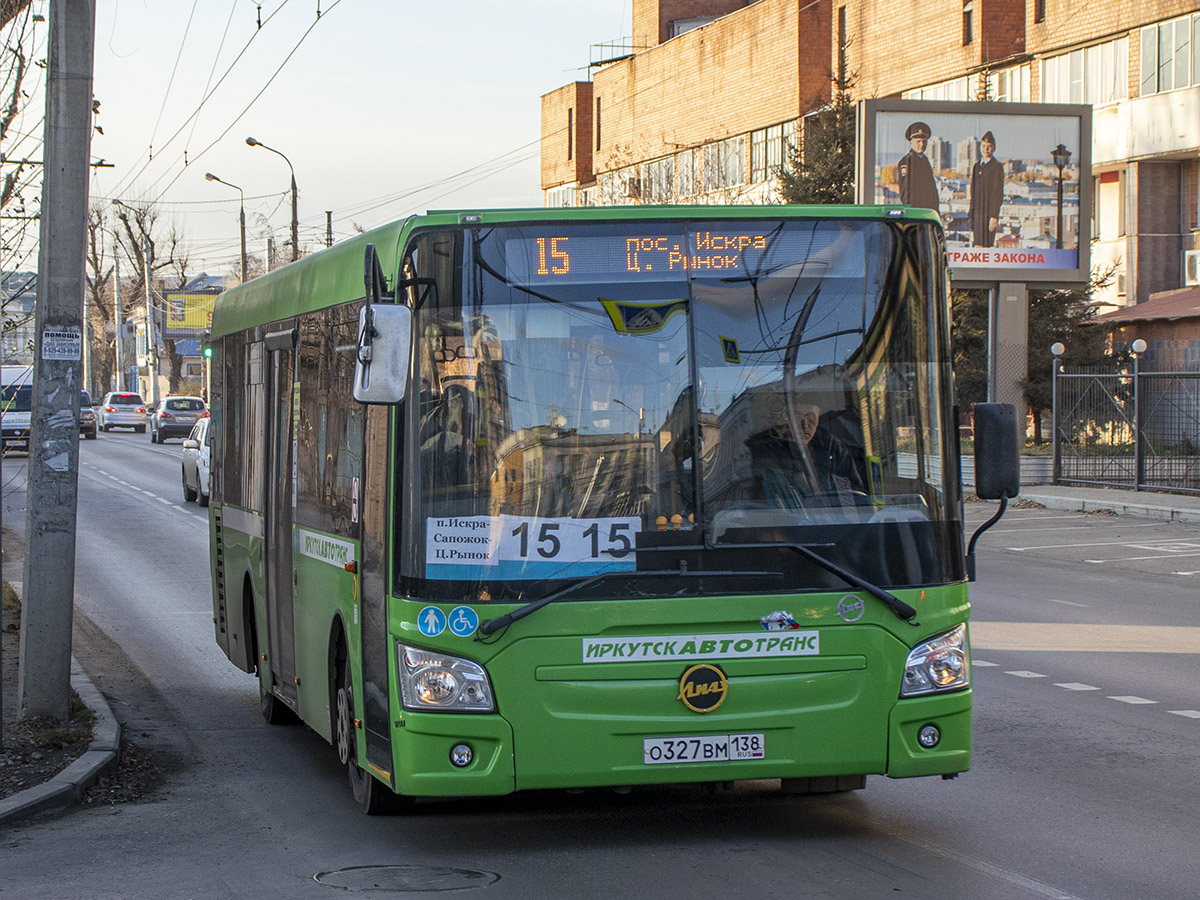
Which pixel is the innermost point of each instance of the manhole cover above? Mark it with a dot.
(405, 878)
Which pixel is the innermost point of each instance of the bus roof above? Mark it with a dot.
(335, 275)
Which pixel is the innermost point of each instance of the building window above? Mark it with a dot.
(841, 43)
(1191, 193)
(685, 166)
(1095, 74)
(968, 25)
(1169, 57)
(724, 164)
(570, 134)
(597, 123)
(1039, 11)
(1108, 206)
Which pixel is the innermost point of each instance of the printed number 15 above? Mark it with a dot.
(548, 542)
(556, 255)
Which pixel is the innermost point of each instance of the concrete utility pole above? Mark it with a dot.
(151, 334)
(117, 373)
(44, 686)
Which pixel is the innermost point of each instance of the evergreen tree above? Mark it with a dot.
(821, 170)
(1069, 318)
(969, 339)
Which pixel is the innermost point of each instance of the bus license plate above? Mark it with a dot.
(703, 748)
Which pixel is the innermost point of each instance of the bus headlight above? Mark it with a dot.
(938, 664)
(430, 681)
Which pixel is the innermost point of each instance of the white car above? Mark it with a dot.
(122, 409)
(197, 456)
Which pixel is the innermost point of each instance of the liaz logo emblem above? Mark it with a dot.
(703, 688)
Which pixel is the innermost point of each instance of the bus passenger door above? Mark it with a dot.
(278, 524)
(376, 645)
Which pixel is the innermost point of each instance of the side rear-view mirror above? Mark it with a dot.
(997, 464)
(997, 460)
(384, 339)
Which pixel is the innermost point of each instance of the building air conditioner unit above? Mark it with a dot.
(1191, 267)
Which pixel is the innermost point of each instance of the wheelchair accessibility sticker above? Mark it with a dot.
(463, 621)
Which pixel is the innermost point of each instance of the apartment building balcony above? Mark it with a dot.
(1166, 124)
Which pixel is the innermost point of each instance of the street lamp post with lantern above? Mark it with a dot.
(241, 215)
(1061, 156)
(295, 219)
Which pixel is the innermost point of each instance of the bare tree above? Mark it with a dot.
(18, 177)
(10, 9)
(151, 246)
(98, 275)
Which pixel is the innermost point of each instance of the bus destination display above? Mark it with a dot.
(630, 257)
(567, 256)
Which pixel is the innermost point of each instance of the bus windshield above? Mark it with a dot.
(677, 405)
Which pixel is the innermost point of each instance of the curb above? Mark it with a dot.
(1164, 512)
(67, 787)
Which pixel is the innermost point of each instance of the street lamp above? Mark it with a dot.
(295, 220)
(241, 215)
(1061, 156)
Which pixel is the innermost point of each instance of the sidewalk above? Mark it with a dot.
(1139, 504)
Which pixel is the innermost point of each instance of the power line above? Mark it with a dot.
(125, 184)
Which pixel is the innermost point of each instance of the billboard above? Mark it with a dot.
(1011, 181)
(188, 313)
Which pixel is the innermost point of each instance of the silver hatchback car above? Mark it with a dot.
(122, 409)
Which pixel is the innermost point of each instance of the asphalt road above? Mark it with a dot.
(1083, 785)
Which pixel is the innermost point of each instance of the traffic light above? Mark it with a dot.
(205, 348)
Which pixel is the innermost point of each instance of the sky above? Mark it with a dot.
(382, 107)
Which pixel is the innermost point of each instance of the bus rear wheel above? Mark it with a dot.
(372, 796)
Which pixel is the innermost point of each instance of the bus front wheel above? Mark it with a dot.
(372, 796)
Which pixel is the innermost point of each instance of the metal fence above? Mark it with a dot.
(1137, 430)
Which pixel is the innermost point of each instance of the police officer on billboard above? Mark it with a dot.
(917, 185)
(987, 193)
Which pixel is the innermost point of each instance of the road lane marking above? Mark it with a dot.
(1065, 636)
(1170, 555)
(1021, 674)
(1133, 700)
(1095, 544)
(981, 663)
(1190, 713)
(1067, 602)
(1076, 686)
(1060, 528)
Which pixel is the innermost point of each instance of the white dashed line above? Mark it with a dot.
(1026, 674)
(1076, 686)
(1134, 700)
(982, 664)
(1066, 602)
(1189, 713)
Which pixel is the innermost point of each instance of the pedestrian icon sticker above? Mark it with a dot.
(463, 621)
(431, 621)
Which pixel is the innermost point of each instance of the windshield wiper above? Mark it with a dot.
(888, 599)
(494, 625)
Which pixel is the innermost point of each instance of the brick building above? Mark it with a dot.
(707, 95)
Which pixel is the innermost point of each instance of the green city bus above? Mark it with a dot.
(609, 497)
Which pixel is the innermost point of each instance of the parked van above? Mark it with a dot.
(16, 403)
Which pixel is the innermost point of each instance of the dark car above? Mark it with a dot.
(87, 416)
(174, 417)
